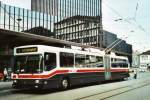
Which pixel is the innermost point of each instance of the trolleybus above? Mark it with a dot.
(40, 66)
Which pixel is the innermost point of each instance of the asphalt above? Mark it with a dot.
(8, 84)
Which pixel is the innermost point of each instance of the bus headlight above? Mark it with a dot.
(15, 81)
(45, 82)
(37, 81)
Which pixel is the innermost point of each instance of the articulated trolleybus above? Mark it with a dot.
(42, 67)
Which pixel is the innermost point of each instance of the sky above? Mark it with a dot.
(18, 3)
(129, 19)
(134, 23)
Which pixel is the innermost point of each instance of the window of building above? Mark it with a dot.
(75, 21)
(66, 59)
(144, 57)
(86, 25)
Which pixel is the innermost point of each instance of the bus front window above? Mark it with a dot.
(28, 64)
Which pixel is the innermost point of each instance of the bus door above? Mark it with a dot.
(107, 67)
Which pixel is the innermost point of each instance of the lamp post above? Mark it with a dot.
(120, 19)
(19, 20)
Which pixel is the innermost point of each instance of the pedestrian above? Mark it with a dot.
(135, 74)
(5, 74)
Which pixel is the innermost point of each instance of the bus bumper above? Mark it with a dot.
(19, 84)
(35, 84)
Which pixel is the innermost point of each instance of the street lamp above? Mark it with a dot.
(120, 19)
(19, 20)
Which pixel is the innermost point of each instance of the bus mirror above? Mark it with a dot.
(41, 56)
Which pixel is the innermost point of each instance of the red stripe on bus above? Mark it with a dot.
(90, 70)
(65, 72)
(119, 70)
(44, 76)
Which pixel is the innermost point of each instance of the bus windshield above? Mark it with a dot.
(28, 64)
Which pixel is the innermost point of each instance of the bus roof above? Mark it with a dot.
(31, 49)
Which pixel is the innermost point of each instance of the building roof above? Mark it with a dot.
(22, 38)
(146, 53)
(79, 17)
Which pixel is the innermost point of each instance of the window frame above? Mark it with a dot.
(45, 60)
(69, 61)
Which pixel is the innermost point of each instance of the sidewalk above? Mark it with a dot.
(5, 85)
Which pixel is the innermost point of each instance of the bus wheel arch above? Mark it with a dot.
(65, 83)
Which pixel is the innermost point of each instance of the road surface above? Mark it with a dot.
(136, 89)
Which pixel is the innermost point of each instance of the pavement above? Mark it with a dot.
(132, 89)
(5, 85)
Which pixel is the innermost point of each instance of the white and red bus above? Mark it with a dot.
(41, 66)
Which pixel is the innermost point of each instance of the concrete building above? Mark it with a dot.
(80, 29)
(136, 59)
(145, 60)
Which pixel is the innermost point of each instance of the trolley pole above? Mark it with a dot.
(114, 44)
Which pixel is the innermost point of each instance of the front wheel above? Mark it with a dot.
(64, 83)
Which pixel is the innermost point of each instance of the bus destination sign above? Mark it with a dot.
(27, 50)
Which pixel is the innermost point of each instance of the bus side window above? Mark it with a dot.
(80, 60)
(99, 61)
(66, 59)
(50, 61)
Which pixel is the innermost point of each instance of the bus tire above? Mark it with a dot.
(65, 83)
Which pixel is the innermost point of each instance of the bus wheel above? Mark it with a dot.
(64, 83)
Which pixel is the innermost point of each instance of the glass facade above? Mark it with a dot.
(67, 8)
(74, 20)
(23, 20)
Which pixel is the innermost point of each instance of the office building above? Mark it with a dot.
(74, 20)
(145, 60)
(80, 29)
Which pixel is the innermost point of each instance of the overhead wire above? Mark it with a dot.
(129, 20)
(136, 25)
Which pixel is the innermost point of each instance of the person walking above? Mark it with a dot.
(135, 74)
(5, 74)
